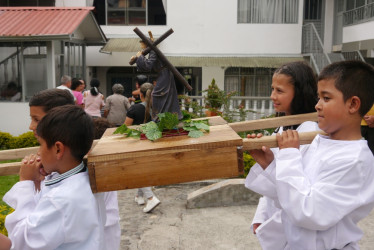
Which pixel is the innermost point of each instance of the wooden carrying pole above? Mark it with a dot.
(12, 168)
(248, 144)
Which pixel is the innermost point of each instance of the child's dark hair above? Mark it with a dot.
(100, 125)
(70, 125)
(50, 98)
(305, 85)
(352, 78)
(75, 83)
(94, 83)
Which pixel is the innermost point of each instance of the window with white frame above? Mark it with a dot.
(130, 12)
(268, 11)
(249, 81)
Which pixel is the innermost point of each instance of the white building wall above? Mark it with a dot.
(15, 117)
(208, 73)
(210, 28)
(358, 32)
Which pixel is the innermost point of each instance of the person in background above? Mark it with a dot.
(138, 114)
(77, 86)
(116, 106)
(66, 85)
(93, 100)
(140, 79)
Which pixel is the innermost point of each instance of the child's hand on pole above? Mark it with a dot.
(288, 139)
(263, 156)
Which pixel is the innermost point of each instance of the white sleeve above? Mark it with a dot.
(320, 205)
(112, 226)
(262, 181)
(261, 214)
(32, 226)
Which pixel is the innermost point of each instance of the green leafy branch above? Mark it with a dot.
(168, 121)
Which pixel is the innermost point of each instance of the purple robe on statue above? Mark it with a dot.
(164, 95)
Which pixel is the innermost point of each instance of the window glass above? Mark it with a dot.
(130, 12)
(249, 81)
(268, 11)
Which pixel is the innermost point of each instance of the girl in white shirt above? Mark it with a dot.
(294, 91)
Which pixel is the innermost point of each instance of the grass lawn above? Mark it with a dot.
(6, 183)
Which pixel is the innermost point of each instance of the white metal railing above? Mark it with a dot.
(353, 55)
(359, 15)
(240, 107)
(312, 45)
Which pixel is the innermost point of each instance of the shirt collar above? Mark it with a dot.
(57, 178)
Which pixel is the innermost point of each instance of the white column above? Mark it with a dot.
(51, 68)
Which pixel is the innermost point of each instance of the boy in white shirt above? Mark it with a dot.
(40, 104)
(326, 190)
(65, 214)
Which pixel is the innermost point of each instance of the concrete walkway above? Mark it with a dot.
(172, 226)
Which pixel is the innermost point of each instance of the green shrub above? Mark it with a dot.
(7, 141)
(4, 211)
(248, 163)
(25, 140)
(5, 138)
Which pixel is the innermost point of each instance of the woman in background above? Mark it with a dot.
(93, 100)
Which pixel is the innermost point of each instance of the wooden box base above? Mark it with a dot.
(122, 163)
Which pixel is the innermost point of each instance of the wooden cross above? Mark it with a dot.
(163, 58)
(148, 49)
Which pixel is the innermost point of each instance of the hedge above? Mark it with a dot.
(25, 140)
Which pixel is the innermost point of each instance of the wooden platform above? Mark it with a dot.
(119, 163)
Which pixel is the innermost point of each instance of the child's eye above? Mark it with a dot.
(325, 98)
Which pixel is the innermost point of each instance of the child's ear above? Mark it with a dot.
(354, 104)
(59, 149)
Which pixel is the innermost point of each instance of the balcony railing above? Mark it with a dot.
(359, 15)
(240, 107)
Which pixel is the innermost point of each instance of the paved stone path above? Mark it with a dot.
(172, 226)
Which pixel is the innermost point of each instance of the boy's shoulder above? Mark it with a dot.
(341, 149)
(76, 187)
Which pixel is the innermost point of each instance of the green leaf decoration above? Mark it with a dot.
(195, 134)
(123, 129)
(151, 131)
(168, 120)
(188, 128)
(202, 126)
(134, 134)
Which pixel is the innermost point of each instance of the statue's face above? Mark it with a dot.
(142, 45)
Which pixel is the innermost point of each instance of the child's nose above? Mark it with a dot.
(318, 106)
(272, 96)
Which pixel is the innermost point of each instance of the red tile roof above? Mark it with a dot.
(40, 21)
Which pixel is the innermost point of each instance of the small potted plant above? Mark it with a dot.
(214, 99)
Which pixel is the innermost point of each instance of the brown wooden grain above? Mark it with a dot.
(271, 141)
(272, 122)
